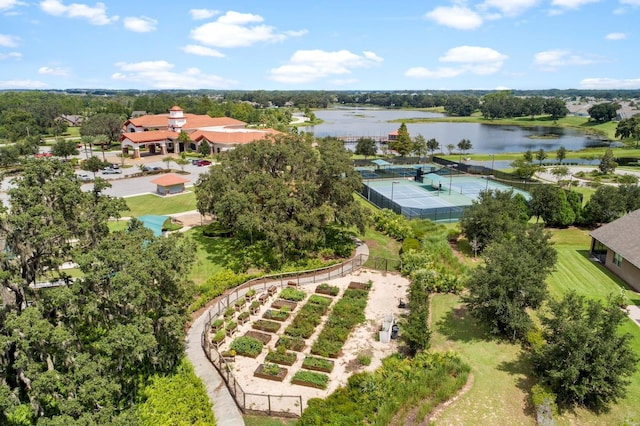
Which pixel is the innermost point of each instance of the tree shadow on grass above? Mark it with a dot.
(522, 369)
(635, 299)
(219, 250)
(458, 324)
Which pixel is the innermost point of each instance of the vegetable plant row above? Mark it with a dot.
(309, 317)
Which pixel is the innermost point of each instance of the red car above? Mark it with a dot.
(43, 155)
(201, 163)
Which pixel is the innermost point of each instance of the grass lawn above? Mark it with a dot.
(118, 225)
(500, 394)
(211, 255)
(153, 204)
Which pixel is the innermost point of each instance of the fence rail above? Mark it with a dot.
(265, 403)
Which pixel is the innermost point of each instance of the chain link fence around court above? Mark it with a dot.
(277, 405)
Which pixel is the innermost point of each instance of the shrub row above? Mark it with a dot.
(347, 313)
(217, 284)
(305, 323)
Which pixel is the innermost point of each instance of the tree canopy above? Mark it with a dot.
(284, 193)
(403, 144)
(366, 147)
(604, 112)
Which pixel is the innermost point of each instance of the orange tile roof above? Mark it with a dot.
(232, 138)
(151, 136)
(169, 179)
(194, 121)
(176, 108)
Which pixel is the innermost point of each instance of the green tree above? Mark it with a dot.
(181, 162)
(559, 172)
(107, 124)
(511, 281)
(532, 106)
(420, 146)
(433, 145)
(92, 164)
(465, 145)
(550, 203)
(402, 145)
(525, 169)
(604, 112)
(366, 147)
(561, 154)
(585, 359)
(168, 160)
(283, 192)
(528, 156)
(607, 163)
(493, 216)
(556, 108)
(204, 149)
(606, 205)
(629, 128)
(64, 148)
(541, 155)
(415, 329)
(450, 148)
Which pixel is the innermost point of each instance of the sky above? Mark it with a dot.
(323, 45)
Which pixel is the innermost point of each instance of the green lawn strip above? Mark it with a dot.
(211, 255)
(141, 205)
(502, 379)
(345, 315)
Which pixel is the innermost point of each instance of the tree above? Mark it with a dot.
(559, 172)
(64, 148)
(541, 155)
(366, 147)
(204, 149)
(415, 329)
(420, 146)
(433, 145)
(604, 112)
(561, 154)
(284, 193)
(629, 128)
(168, 160)
(465, 145)
(607, 163)
(606, 205)
(92, 164)
(556, 108)
(450, 148)
(107, 124)
(402, 145)
(525, 169)
(181, 162)
(494, 215)
(532, 106)
(584, 359)
(101, 140)
(550, 203)
(511, 281)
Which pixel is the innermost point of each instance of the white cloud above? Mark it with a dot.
(509, 7)
(142, 24)
(234, 29)
(8, 40)
(610, 83)
(96, 15)
(460, 18)
(60, 72)
(550, 60)
(198, 14)
(160, 75)
(310, 65)
(470, 59)
(631, 2)
(6, 5)
(616, 36)
(22, 84)
(572, 4)
(202, 51)
(11, 55)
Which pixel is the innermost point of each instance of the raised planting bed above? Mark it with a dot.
(250, 295)
(310, 379)
(247, 346)
(263, 325)
(217, 325)
(281, 356)
(255, 306)
(276, 315)
(243, 317)
(271, 372)
(347, 313)
(318, 364)
(229, 356)
(309, 317)
(279, 304)
(292, 343)
(229, 313)
(231, 328)
(327, 289)
(263, 337)
(360, 286)
(272, 290)
(239, 305)
(292, 294)
(262, 299)
(292, 284)
(219, 338)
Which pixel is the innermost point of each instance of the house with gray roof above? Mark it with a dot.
(617, 246)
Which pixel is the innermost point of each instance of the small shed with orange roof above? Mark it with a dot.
(170, 184)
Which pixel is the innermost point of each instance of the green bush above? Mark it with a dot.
(409, 244)
(247, 346)
(217, 284)
(364, 359)
(392, 224)
(544, 401)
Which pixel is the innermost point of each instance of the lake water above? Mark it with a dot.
(484, 138)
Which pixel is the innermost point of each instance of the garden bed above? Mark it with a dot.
(279, 304)
(264, 325)
(262, 299)
(310, 379)
(272, 290)
(281, 357)
(292, 294)
(217, 325)
(309, 317)
(330, 290)
(318, 364)
(247, 346)
(297, 344)
(271, 372)
(354, 285)
(276, 315)
(263, 337)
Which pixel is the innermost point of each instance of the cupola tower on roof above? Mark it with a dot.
(176, 119)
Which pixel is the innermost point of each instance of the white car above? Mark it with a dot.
(84, 177)
(110, 171)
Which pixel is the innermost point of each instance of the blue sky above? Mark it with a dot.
(328, 45)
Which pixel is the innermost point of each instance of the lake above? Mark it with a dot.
(485, 138)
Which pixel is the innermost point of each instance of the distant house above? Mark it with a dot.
(170, 184)
(159, 133)
(136, 114)
(617, 246)
(71, 120)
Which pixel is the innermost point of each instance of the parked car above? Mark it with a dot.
(84, 177)
(110, 171)
(115, 166)
(201, 163)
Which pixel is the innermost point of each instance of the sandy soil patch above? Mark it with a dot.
(386, 291)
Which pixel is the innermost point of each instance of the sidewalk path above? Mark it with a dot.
(634, 313)
(225, 409)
